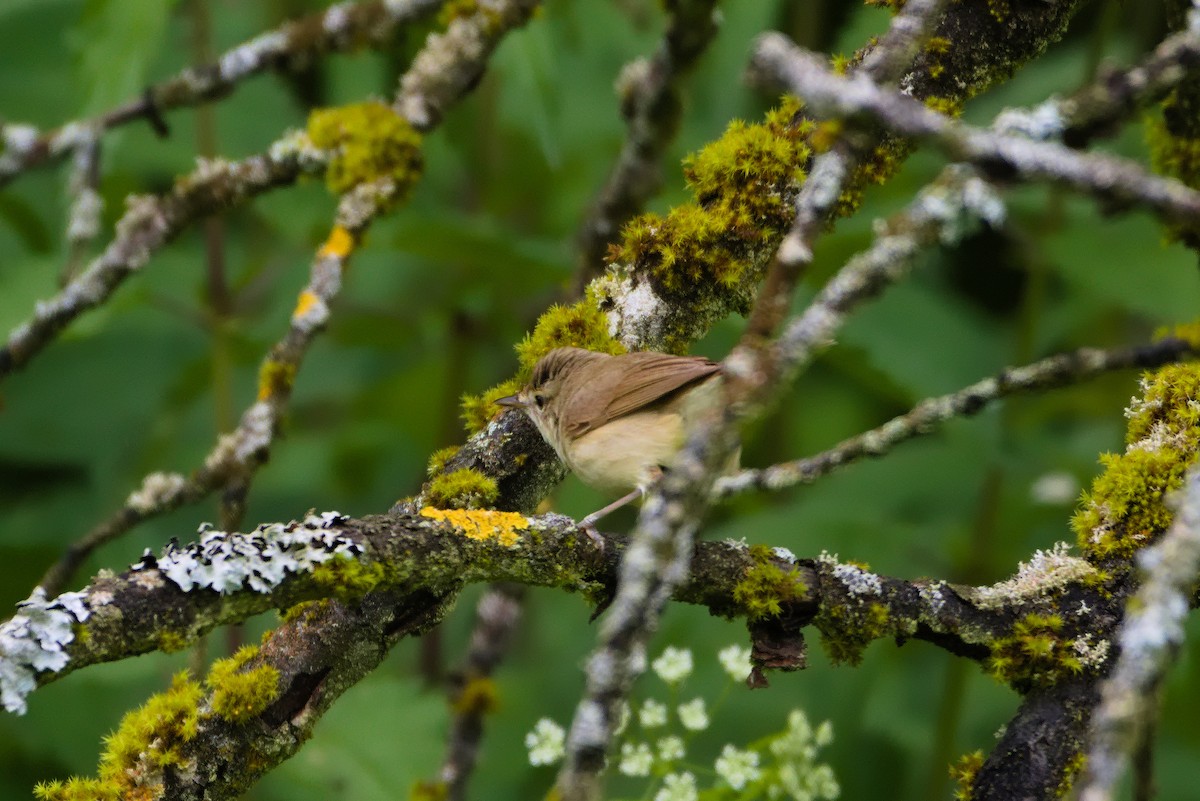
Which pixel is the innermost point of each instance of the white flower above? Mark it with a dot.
(823, 783)
(674, 665)
(824, 734)
(652, 714)
(737, 767)
(636, 760)
(545, 742)
(678, 787)
(693, 715)
(735, 659)
(671, 748)
(623, 716)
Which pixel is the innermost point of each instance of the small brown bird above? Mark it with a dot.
(617, 421)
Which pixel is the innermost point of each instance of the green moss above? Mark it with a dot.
(438, 459)
(237, 694)
(1070, 771)
(767, 585)
(742, 183)
(963, 773)
(1034, 654)
(371, 141)
(1125, 510)
(304, 611)
(477, 410)
(581, 325)
(1176, 156)
(148, 739)
(170, 642)
(462, 489)
(348, 577)
(846, 631)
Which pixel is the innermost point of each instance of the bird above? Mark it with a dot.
(617, 421)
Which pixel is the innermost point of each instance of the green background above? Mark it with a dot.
(432, 305)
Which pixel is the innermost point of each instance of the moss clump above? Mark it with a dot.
(348, 577)
(238, 695)
(1124, 510)
(148, 740)
(963, 772)
(371, 142)
(170, 642)
(304, 611)
(581, 325)
(1035, 654)
(1175, 156)
(846, 631)
(462, 489)
(743, 184)
(767, 585)
(438, 459)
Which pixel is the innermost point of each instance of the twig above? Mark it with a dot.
(1150, 638)
(496, 619)
(148, 224)
(1054, 371)
(1109, 179)
(650, 92)
(83, 220)
(292, 46)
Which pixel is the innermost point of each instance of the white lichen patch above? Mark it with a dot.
(858, 582)
(1045, 572)
(35, 640)
(1092, 651)
(932, 596)
(227, 562)
(157, 491)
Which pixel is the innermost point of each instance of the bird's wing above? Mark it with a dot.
(651, 377)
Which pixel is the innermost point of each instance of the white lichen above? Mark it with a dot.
(35, 640)
(1045, 572)
(227, 562)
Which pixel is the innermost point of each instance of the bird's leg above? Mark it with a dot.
(588, 524)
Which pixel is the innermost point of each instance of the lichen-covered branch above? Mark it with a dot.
(148, 224)
(342, 27)
(650, 93)
(1150, 638)
(927, 416)
(473, 692)
(1113, 181)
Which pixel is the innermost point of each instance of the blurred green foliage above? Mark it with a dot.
(436, 299)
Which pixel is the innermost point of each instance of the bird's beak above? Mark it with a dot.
(511, 402)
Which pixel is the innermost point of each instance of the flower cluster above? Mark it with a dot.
(783, 765)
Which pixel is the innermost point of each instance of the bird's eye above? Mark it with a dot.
(540, 400)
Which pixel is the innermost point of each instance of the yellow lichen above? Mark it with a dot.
(482, 524)
(340, 243)
(478, 697)
(275, 379)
